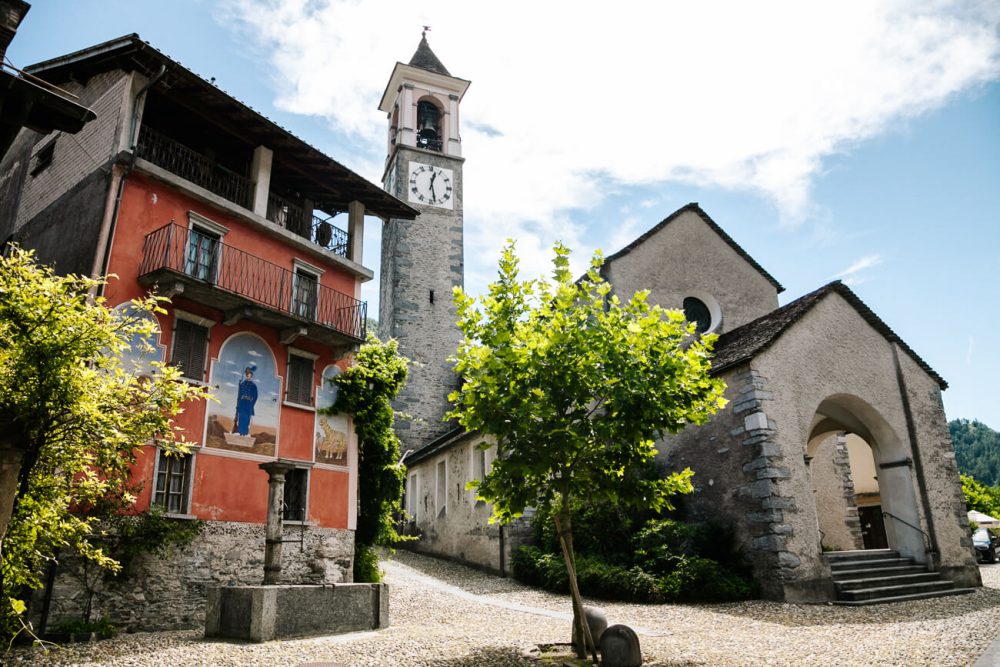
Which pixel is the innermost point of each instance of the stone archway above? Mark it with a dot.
(862, 480)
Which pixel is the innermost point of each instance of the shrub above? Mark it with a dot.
(366, 569)
(697, 579)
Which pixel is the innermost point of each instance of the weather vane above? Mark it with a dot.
(424, 33)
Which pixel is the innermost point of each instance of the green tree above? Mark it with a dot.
(977, 450)
(366, 390)
(576, 387)
(981, 497)
(72, 414)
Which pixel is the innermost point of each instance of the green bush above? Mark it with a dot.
(101, 626)
(693, 579)
(366, 569)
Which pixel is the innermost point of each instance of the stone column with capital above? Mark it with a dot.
(276, 471)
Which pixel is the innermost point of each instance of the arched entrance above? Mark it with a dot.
(862, 481)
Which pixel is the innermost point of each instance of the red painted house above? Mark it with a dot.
(256, 236)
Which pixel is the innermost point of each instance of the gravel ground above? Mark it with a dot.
(451, 616)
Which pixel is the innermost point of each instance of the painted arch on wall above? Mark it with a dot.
(247, 388)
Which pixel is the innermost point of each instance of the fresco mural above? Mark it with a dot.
(247, 386)
(331, 430)
(142, 351)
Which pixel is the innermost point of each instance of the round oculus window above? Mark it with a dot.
(697, 312)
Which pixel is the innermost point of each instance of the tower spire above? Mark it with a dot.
(424, 58)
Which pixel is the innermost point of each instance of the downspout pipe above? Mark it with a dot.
(118, 177)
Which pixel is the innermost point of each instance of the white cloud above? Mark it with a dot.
(851, 275)
(572, 100)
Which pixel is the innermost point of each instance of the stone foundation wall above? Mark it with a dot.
(169, 591)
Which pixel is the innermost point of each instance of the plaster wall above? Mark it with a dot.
(422, 260)
(169, 591)
(688, 258)
(462, 532)
(833, 355)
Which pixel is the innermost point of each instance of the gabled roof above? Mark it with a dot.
(424, 58)
(438, 444)
(318, 176)
(746, 342)
(694, 208)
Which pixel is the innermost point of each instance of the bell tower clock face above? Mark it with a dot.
(431, 186)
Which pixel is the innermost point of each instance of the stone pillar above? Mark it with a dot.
(276, 471)
(355, 230)
(454, 139)
(260, 174)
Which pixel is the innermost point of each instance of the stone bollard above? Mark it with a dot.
(620, 647)
(598, 622)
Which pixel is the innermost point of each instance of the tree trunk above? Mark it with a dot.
(564, 530)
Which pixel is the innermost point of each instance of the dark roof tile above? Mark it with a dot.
(744, 343)
(424, 58)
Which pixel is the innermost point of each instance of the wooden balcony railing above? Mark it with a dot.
(208, 261)
(191, 165)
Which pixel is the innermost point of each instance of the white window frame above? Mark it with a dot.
(441, 488)
(298, 266)
(190, 486)
(207, 227)
(305, 507)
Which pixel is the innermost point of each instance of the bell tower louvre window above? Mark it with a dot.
(429, 126)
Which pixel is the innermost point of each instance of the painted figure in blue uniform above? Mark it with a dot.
(246, 399)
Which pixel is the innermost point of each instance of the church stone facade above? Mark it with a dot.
(834, 438)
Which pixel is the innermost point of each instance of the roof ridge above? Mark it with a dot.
(695, 208)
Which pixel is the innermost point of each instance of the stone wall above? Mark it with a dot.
(830, 468)
(169, 591)
(422, 260)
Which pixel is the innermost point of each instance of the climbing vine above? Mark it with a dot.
(366, 390)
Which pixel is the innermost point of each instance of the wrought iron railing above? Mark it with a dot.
(927, 537)
(430, 144)
(191, 165)
(285, 214)
(325, 234)
(251, 277)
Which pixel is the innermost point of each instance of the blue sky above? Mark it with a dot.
(858, 141)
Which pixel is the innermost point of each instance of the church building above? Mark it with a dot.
(832, 461)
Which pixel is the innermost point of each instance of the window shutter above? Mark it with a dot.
(299, 389)
(189, 349)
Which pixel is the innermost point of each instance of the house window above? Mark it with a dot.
(478, 464)
(43, 158)
(296, 493)
(299, 384)
(190, 348)
(442, 488)
(305, 289)
(202, 254)
(411, 497)
(173, 482)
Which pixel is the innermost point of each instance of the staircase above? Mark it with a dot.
(877, 576)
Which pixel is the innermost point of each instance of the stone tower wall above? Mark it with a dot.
(422, 260)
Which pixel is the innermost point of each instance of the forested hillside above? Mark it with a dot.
(977, 450)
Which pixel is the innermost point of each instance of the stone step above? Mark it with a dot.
(868, 563)
(859, 554)
(896, 591)
(905, 598)
(893, 580)
(841, 575)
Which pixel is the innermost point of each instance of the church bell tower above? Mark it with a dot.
(422, 259)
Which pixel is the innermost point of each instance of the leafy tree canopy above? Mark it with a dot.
(981, 497)
(576, 386)
(977, 450)
(366, 390)
(74, 413)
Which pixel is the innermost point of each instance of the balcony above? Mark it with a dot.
(193, 166)
(204, 172)
(242, 285)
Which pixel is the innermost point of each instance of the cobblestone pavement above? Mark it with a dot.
(447, 615)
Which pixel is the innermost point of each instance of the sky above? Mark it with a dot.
(857, 141)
